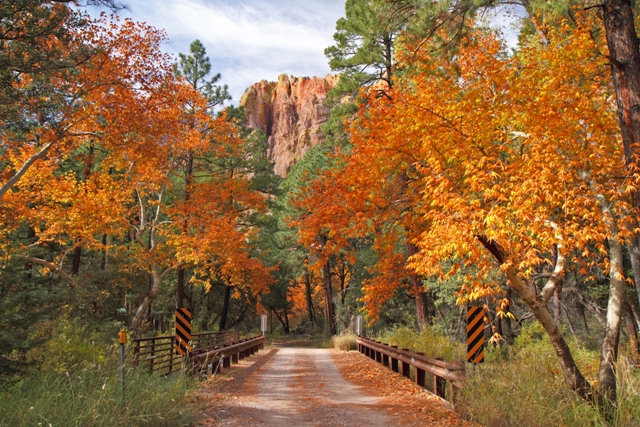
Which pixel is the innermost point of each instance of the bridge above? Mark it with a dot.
(380, 385)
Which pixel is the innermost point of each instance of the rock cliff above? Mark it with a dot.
(290, 112)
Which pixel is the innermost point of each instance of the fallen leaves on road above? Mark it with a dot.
(415, 405)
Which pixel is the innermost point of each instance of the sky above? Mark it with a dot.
(252, 40)
(247, 40)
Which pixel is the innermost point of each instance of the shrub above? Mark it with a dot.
(345, 342)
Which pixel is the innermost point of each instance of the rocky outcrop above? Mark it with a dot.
(290, 112)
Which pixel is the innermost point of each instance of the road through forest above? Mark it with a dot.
(298, 386)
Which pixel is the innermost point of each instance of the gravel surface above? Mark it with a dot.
(296, 386)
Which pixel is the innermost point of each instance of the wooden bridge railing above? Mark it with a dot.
(158, 353)
(442, 371)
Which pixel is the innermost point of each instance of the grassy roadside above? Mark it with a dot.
(522, 385)
(73, 380)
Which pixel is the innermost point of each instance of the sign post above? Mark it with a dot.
(359, 325)
(123, 340)
(183, 331)
(475, 335)
(263, 323)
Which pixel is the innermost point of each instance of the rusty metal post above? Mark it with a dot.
(171, 354)
(406, 368)
(394, 362)
(152, 356)
(439, 384)
(235, 358)
(385, 360)
(420, 377)
(379, 356)
(226, 363)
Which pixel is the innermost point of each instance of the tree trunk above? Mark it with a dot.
(507, 329)
(307, 285)
(225, 308)
(103, 262)
(625, 68)
(422, 309)
(632, 332)
(328, 297)
(77, 254)
(180, 289)
(145, 306)
(188, 178)
(538, 306)
(607, 375)
(285, 322)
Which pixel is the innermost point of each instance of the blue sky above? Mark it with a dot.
(251, 40)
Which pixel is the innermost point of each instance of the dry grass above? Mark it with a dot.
(345, 342)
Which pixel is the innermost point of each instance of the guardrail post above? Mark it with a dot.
(439, 384)
(235, 358)
(420, 375)
(172, 352)
(394, 362)
(226, 362)
(406, 368)
(136, 354)
(152, 355)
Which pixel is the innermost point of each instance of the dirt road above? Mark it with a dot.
(294, 386)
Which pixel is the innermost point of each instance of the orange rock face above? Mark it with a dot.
(290, 112)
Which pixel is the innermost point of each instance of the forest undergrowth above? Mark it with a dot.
(74, 381)
(522, 384)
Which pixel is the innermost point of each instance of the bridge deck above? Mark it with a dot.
(293, 386)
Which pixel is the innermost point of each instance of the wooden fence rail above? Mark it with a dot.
(158, 353)
(442, 371)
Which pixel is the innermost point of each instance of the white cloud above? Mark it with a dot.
(248, 41)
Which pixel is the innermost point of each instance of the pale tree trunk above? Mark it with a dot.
(607, 374)
(145, 306)
(609, 355)
(538, 306)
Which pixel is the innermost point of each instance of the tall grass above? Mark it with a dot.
(428, 342)
(346, 341)
(77, 384)
(522, 385)
(81, 397)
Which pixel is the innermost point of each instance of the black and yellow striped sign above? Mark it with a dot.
(183, 331)
(475, 334)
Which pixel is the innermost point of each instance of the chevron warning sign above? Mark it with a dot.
(475, 334)
(183, 331)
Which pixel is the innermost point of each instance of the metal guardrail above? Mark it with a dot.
(221, 356)
(453, 372)
(158, 353)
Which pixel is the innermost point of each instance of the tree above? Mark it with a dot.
(195, 68)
